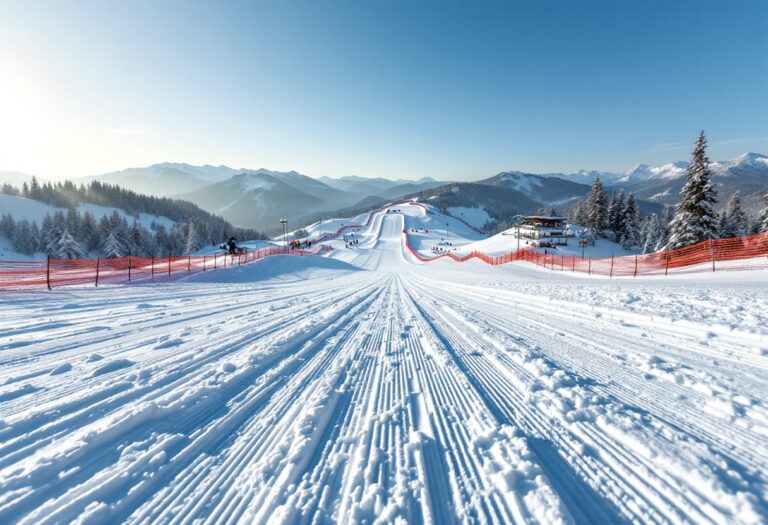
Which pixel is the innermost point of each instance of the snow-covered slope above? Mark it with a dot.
(33, 211)
(26, 209)
(363, 388)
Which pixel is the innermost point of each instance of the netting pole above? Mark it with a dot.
(635, 265)
(98, 263)
(712, 253)
(189, 263)
(666, 266)
(611, 274)
(589, 266)
(169, 264)
(204, 262)
(214, 261)
(48, 273)
(153, 267)
(129, 267)
(573, 263)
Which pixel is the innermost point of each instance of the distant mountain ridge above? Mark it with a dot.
(259, 198)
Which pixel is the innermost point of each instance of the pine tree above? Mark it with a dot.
(193, 243)
(664, 221)
(629, 226)
(23, 241)
(650, 233)
(579, 214)
(736, 219)
(112, 248)
(8, 226)
(68, 247)
(615, 211)
(722, 223)
(695, 221)
(597, 207)
(764, 216)
(89, 232)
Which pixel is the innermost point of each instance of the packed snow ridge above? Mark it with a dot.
(365, 387)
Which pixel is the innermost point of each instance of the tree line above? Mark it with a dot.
(70, 234)
(692, 221)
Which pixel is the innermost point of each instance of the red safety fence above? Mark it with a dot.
(63, 272)
(738, 253)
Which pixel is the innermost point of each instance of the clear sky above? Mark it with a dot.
(400, 89)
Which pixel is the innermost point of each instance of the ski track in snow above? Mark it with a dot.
(405, 392)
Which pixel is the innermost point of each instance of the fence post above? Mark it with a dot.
(129, 267)
(189, 263)
(635, 265)
(214, 260)
(562, 262)
(611, 274)
(573, 263)
(153, 266)
(589, 266)
(666, 266)
(169, 264)
(48, 273)
(98, 263)
(204, 257)
(712, 253)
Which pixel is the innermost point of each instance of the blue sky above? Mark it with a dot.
(452, 90)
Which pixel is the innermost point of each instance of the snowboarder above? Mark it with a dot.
(232, 245)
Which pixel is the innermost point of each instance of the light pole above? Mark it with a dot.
(284, 222)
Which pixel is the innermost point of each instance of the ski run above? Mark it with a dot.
(365, 387)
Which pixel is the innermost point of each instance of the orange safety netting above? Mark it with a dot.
(62, 272)
(738, 253)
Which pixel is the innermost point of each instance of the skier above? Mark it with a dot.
(232, 244)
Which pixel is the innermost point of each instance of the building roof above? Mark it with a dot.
(545, 218)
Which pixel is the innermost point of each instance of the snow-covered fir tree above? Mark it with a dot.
(112, 247)
(68, 247)
(695, 221)
(193, 242)
(629, 225)
(664, 221)
(737, 218)
(89, 234)
(615, 211)
(597, 207)
(7, 226)
(23, 241)
(650, 233)
(578, 214)
(764, 215)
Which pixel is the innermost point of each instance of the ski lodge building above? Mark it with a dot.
(551, 229)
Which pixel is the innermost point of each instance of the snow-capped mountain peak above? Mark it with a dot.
(643, 172)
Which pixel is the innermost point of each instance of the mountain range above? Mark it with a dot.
(259, 198)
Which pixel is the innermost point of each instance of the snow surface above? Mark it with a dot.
(476, 217)
(367, 388)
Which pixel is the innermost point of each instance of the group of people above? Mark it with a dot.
(350, 242)
(419, 230)
(297, 244)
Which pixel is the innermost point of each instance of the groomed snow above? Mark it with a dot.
(367, 388)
